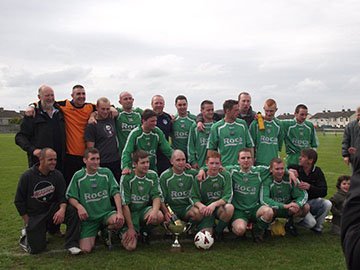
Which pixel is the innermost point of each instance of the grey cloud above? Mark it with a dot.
(25, 78)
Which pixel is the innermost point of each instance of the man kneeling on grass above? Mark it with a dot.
(213, 196)
(141, 200)
(89, 192)
(286, 199)
(40, 200)
(246, 182)
(176, 184)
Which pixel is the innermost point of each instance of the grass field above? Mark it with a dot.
(307, 251)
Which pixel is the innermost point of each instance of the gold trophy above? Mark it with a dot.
(176, 227)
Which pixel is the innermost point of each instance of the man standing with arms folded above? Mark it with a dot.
(40, 200)
(146, 137)
(268, 141)
(298, 134)
(102, 136)
(141, 197)
(89, 192)
(198, 140)
(230, 135)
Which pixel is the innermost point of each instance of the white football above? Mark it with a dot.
(203, 240)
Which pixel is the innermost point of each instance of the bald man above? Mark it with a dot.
(40, 201)
(176, 184)
(164, 122)
(46, 129)
(128, 118)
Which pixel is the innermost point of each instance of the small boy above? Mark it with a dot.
(337, 200)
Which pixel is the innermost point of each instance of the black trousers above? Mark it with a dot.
(71, 165)
(37, 227)
(115, 168)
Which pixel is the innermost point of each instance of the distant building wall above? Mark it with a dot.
(11, 128)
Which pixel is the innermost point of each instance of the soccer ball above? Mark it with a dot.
(203, 240)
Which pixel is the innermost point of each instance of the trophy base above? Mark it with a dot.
(176, 249)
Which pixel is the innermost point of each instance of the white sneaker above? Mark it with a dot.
(74, 250)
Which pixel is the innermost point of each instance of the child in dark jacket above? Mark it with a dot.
(337, 200)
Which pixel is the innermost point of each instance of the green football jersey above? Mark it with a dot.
(267, 142)
(297, 137)
(197, 144)
(213, 188)
(180, 131)
(139, 192)
(125, 123)
(149, 142)
(276, 194)
(228, 139)
(246, 186)
(94, 191)
(176, 188)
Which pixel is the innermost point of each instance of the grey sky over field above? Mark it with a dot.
(292, 51)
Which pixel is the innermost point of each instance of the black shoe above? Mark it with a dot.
(290, 228)
(317, 232)
(106, 236)
(145, 237)
(267, 234)
(258, 238)
(219, 236)
(57, 234)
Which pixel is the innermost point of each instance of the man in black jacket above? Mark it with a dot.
(46, 129)
(351, 140)
(312, 180)
(40, 200)
(164, 122)
(350, 220)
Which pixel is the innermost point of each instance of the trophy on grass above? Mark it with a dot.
(176, 227)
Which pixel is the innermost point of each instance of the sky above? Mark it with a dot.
(291, 51)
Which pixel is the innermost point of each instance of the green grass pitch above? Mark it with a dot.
(307, 251)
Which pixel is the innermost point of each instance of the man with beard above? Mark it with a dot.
(46, 129)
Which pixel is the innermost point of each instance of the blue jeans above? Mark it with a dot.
(319, 209)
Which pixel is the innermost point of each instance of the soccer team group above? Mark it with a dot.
(124, 170)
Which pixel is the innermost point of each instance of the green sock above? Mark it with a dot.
(220, 226)
(260, 226)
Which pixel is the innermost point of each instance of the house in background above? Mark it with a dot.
(329, 119)
(9, 120)
(9, 117)
(286, 116)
